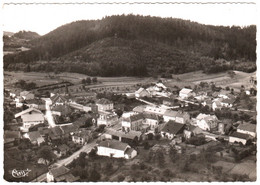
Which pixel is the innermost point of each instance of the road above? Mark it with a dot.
(63, 162)
(86, 148)
(49, 116)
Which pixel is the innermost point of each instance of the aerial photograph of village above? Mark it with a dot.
(126, 96)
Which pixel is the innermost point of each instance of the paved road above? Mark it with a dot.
(63, 162)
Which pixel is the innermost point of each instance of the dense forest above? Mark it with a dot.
(139, 46)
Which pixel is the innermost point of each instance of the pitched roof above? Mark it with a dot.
(27, 111)
(170, 113)
(61, 170)
(34, 136)
(33, 117)
(239, 135)
(155, 110)
(113, 144)
(229, 101)
(103, 101)
(151, 116)
(173, 127)
(83, 133)
(136, 117)
(139, 109)
(248, 127)
(69, 128)
(59, 98)
(24, 93)
(140, 90)
(63, 109)
(185, 91)
(206, 117)
(129, 151)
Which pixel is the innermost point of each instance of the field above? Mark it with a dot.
(220, 79)
(247, 166)
(50, 78)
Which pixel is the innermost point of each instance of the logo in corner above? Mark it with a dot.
(20, 173)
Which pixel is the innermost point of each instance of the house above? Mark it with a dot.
(247, 128)
(155, 110)
(116, 149)
(30, 117)
(141, 93)
(82, 137)
(171, 129)
(206, 121)
(133, 122)
(55, 133)
(26, 95)
(192, 130)
(177, 116)
(216, 105)
(239, 137)
(139, 109)
(224, 94)
(107, 118)
(151, 120)
(186, 93)
(227, 103)
(104, 105)
(34, 137)
(168, 101)
(60, 174)
(68, 130)
(125, 137)
(57, 100)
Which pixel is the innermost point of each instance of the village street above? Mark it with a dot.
(49, 116)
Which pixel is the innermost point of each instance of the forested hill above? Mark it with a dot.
(136, 40)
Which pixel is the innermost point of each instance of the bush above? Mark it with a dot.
(167, 173)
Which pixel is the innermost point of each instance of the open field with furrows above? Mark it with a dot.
(220, 79)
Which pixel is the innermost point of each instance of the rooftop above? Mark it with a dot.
(247, 127)
(113, 144)
(239, 135)
(185, 91)
(103, 101)
(173, 127)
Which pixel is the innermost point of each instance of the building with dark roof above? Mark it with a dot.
(239, 137)
(60, 174)
(104, 104)
(172, 129)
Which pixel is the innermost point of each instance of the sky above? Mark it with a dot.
(45, 18)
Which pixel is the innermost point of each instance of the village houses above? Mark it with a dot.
(172, 129)
(185, 93)
(104, 105)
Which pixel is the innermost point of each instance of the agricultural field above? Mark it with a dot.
(220, 79)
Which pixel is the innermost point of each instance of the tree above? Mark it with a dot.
(88, 80)
(46, 153)
(94, 79)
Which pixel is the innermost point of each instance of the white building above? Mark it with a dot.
(116, 149)
(141, 93)
(30, 117)
(186, 93)
(104, 105)
(238, 137)
(206, 122)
